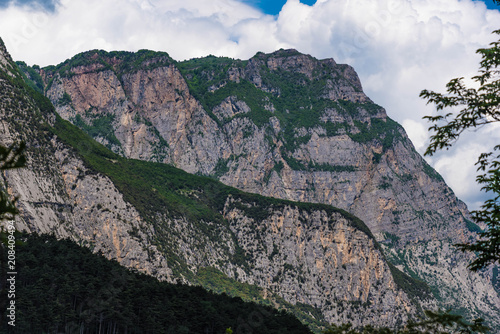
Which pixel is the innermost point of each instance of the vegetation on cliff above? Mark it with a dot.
(296, 100)
(117, 61)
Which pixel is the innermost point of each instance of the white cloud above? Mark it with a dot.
(398, 47)
(184, 29)
(417, 132)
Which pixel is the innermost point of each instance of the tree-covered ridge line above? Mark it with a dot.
(297, 100)
(119, 61)
(216, 281)
(65, 287)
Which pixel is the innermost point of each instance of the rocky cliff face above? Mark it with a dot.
(289, 126)
(311, 255)
(58, 194)
(284, 125)
(305, 256)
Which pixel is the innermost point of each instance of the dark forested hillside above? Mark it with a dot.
(65, 288)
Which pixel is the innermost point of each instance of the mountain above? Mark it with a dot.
(317, 261)
(284, 125)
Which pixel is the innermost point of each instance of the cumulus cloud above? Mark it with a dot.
(185, 29)
(398, 47)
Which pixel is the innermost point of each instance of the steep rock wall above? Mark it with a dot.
(306, 256)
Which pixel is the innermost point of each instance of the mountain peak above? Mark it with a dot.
(119, 61)
(283, 54)
(288, 53)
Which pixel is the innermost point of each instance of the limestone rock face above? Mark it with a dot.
(151, 114)
(284, 125)
(305, 256)
(58, 194)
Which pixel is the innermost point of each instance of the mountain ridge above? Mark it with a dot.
(72, 188)
(290, 126)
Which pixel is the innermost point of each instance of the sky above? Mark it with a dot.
(398, 47)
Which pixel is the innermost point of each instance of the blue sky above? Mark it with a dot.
(273, 7)
(46, 4)
(398, 47)
(491, 4)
